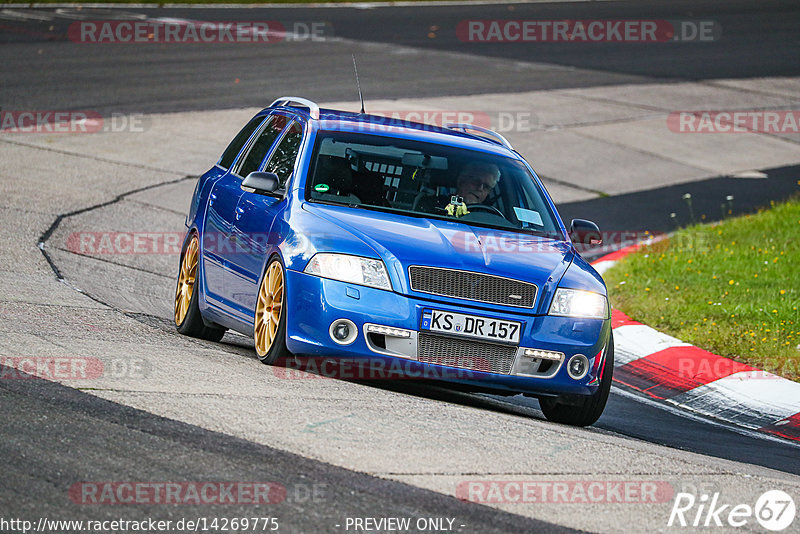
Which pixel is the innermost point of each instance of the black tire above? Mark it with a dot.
(276, 352)
(192, 323)
(585, 411)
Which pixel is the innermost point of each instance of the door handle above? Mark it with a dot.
(239, 213)
(212, 198)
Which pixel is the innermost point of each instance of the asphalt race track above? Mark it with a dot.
(759, 40)
(173, 409)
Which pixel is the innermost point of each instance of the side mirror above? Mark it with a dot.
(263, 183)
(585, 233)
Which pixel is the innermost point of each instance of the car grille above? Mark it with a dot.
(472, 286)
(465, 354)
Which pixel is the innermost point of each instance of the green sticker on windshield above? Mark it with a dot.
(321, 188)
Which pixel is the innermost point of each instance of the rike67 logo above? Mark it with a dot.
(774, 510)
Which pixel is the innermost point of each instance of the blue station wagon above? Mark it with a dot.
(432, 251)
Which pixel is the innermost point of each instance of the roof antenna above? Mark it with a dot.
(358, 84)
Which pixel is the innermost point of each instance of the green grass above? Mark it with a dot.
(732, 288)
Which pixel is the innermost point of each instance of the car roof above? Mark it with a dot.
(348, 121)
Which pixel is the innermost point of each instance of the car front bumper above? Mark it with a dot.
(389, 339)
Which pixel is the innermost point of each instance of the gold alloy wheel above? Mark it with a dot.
(186, 279)
(268, 308)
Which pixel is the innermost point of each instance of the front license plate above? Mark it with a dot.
(471, 326)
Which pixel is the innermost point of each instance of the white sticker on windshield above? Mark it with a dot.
(529, 216)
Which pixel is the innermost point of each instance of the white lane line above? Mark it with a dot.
(73, 14)
(48, 16)
(20, 14)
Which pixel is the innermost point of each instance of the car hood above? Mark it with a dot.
(402, 241)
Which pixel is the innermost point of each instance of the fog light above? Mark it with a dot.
(343, 331)
(578, 366)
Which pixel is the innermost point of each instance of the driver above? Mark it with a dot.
(473, 185)
(475, 181)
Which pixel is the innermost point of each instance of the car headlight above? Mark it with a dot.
(578, 303)
(353, 269)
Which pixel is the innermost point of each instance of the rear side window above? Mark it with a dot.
(238, 142)
(282, 160)
(272, 129)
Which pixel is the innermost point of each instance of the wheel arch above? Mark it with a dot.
(200, 277)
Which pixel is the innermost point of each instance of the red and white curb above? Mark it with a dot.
(667, 369)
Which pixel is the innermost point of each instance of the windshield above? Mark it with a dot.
(428, 180)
